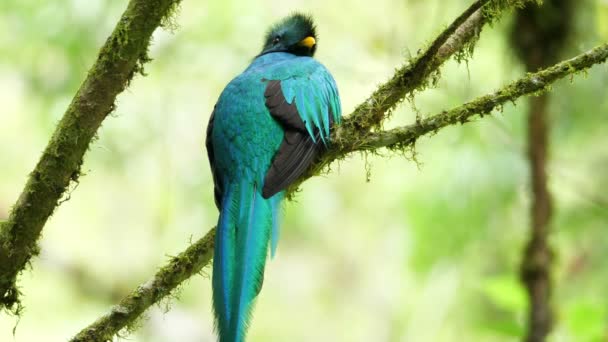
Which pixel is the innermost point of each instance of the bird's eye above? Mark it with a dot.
(276, 40)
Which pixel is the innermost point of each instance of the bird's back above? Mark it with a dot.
(245, 136)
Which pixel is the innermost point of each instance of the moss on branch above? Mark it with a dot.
(457, 39)
(532, 84)
(121, 57)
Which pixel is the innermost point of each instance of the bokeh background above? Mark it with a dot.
(380, 249)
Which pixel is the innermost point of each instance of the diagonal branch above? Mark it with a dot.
(200, 253)
(533, 83)
(120, 58)
(457, 38)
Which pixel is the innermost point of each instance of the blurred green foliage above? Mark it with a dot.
(425, 251)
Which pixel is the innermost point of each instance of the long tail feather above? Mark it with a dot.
(246, 224)
(223, 263)
(276, 207)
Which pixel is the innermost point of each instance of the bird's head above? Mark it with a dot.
(294, 34)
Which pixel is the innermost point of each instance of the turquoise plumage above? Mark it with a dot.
(268, 126)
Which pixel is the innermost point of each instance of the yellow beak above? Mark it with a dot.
(309, 42)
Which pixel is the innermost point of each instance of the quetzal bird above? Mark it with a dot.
(267, 127)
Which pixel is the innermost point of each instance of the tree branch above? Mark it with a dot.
(346, 140)
(458, 38)
(373, 111)
(120, 58)
(533, 83)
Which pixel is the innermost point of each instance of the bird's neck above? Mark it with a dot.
(272, 57)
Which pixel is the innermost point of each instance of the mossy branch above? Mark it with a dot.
(121, 57)
(458, 38)
(347, 141)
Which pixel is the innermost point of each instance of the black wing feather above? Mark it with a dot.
(286, 113)
(217, 190)
(297, 151)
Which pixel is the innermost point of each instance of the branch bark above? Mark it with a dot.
(120, 58)
(416, 74)
(459, 38)
(347, 141)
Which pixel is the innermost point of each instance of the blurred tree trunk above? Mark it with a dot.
(538, 36)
